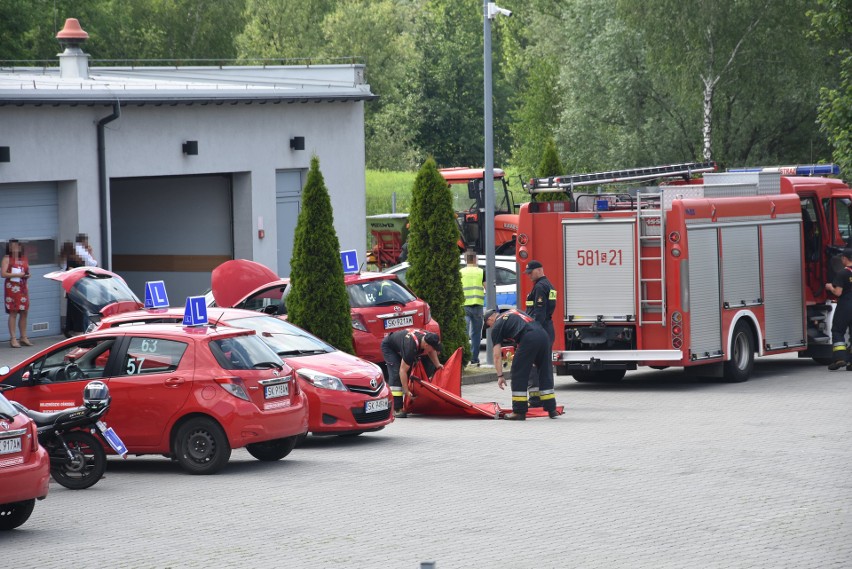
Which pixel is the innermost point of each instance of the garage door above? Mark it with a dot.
(29, 213)
(172, 229)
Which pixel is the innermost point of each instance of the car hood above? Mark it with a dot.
(233, 280)
(350, 369)
(97, 290)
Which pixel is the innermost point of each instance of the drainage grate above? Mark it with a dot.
(41, 327)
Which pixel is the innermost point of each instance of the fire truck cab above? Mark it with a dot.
(700, 273)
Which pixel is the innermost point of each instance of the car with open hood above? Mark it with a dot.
(24, 466)
(380, 303)
(346, 394)
(192, 393)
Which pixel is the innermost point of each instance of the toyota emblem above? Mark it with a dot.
(397, 308)
(275, 372)
(5, 426)
(374, 383)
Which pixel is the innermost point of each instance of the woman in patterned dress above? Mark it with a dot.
(16, 270)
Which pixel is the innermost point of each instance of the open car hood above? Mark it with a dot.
(233, 281)
(97, 290)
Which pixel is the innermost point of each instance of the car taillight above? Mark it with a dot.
(234, 386)
(358, 322)
(33, 437)
(427, 315)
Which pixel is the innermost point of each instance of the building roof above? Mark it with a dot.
(138, 85)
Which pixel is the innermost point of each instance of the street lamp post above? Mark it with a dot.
(490, 11)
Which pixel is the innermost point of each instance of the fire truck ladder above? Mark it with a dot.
(570, 181)
(649, 213)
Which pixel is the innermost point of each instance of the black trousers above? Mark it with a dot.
(839, 324)
(535, 395)
(534, 349)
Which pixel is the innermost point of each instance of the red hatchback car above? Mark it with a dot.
(191, 393)
(24, 467)
(346, 395)
(380, 303)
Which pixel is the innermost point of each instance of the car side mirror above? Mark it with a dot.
(4, 370)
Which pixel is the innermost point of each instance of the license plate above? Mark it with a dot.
(399, 322)
(376, 405)
(8, 446)
(277, 390)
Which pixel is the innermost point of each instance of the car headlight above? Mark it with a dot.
(321, 380)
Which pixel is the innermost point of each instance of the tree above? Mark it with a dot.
(832, 26)
(434, 256)
(282, 29)
(318, 301)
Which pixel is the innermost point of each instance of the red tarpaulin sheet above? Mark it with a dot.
(441, 395)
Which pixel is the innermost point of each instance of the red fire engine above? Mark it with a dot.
(693, 272)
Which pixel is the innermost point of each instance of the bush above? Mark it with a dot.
(318, 301)
(433, 254)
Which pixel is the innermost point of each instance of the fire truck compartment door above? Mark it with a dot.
(705, 327)
(600, 277)
(782, 285)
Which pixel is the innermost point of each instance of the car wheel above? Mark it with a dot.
(269, 451)
(15, 514)
(739, 367)
(201, 447)
(602, 376)
(86, 465)
(301, 438)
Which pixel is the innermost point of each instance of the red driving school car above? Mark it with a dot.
(189, 392)
(346, 394)
(24, 467)
(380, 303)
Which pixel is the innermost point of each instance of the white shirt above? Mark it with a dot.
(84, 255)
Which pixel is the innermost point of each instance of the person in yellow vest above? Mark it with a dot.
(473, 285)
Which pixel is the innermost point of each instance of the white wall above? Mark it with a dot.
(59, 144)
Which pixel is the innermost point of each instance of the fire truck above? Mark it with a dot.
(471, 220)
(694, 272)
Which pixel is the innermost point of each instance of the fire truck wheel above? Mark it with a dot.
(603, 376)
(739, 367)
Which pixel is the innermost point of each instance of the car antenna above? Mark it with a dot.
(361, 268)
(219, 319)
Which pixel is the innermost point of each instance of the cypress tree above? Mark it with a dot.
(550, 166)
(433, 254)
(318, 301)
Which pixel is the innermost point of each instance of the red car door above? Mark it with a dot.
(149, 388)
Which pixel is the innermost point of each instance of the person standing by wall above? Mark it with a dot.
(16, 270)
(540, 304)
(473, 287)
(841, 286)
(401, 350)
(84, 250)
(533, 348)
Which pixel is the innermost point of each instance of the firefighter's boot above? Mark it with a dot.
(515, 417)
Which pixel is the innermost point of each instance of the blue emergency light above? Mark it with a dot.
(804, 170)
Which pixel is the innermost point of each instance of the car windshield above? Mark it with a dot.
(381, 292)
(94, 292)
(244, 352)
(7, 409)
(283, 337)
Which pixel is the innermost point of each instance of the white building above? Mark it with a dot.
(172, 170)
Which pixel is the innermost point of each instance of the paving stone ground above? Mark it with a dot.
(658, 471)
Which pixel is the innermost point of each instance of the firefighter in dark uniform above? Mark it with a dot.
(841, 286)
(541, 302)
(401, 350)
(533, 348)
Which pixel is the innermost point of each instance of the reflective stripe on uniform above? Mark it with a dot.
(552, 295)
(548, 394)
(839, 347)
(397, 391)
(519, 396)
(529, 303)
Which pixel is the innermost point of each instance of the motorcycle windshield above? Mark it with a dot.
(96, 291)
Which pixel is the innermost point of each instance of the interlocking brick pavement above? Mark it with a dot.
(659, 471)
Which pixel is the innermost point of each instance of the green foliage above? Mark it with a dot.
(283, 29)
(318, 301)
(550, 164)
(832, 27)
(434, 256)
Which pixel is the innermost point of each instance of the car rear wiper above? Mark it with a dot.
(389, 302)
(300, 352)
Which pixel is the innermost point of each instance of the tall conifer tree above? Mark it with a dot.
(433, 254)
(318, 301)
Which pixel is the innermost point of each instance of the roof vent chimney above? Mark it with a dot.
(73, 63)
